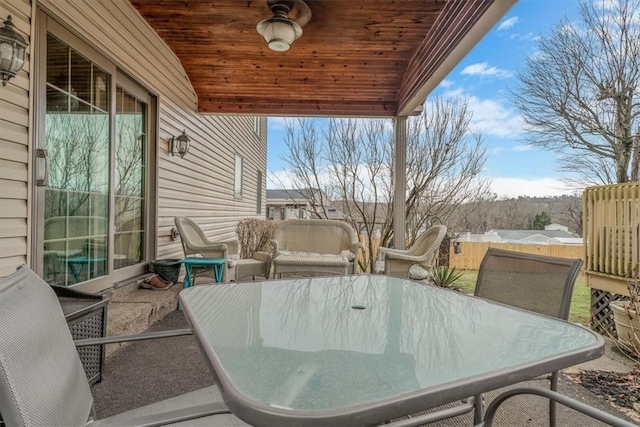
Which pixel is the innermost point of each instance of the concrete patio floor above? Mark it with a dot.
(145, 372)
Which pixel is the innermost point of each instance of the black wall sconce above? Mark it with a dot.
(12, 50)
(179, 145)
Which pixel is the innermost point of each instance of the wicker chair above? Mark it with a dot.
(537, 283)
(196, 243)
(43, 382)
(308, 247)
(416, 262)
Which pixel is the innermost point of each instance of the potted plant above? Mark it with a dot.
(625, 316)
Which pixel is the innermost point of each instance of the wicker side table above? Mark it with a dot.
(86, 315)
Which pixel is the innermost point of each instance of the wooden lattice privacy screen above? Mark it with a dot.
(611, 217)
(612, 229)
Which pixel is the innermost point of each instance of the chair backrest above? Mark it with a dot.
(193, 239)
(537, 283)
(42, 381)
(314, 235)
(429, 243)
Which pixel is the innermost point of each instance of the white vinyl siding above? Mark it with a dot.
(14, 150)
(200, 186)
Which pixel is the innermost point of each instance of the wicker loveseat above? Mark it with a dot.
(310, 247)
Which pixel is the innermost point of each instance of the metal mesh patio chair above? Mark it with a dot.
(42, 382)
(422, 254)
(537, 283)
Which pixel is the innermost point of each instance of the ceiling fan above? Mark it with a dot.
(285, 26)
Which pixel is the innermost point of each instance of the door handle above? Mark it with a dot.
(42, 167)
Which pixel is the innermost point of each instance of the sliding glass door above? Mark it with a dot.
(93, 167)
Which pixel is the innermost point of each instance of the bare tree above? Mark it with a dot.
(580, 95)
(352, 161)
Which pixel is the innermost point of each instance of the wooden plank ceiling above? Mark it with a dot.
(355, 57)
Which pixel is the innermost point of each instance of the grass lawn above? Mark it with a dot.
(580, 303)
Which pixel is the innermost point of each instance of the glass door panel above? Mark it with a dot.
(76, 199)
(130, 170)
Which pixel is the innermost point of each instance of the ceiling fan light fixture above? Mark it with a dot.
(279, 31)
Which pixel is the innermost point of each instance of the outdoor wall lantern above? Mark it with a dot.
(12, 50)
(179, 145)
(457, 248)
(279, 31)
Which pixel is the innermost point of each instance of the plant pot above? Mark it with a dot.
(627, 325)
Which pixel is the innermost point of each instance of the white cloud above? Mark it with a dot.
(535, 187)
(454, 93)
(496, 150)
(523, 148)
(446, 83)
(508, 23)
(483, 69)
(491, 117)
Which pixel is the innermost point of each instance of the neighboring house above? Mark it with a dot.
(553, 234)
(103, 95)
(287, 204)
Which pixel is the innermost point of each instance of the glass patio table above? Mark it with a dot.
(360, 350)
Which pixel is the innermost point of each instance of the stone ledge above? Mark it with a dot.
(132, 310)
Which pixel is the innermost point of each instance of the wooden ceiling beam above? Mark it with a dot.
(280, 108)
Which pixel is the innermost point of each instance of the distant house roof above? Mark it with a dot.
(487, 237)
(555, 226)
(289, 195)
(523, 235)
(332, 213)
(544, 237)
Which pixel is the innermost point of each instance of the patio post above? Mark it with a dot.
(399, 180)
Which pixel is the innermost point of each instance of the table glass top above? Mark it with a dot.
(326, 343)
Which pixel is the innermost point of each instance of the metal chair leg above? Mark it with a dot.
(478, 408)
(552, 403)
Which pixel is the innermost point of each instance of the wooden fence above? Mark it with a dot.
(471, 253)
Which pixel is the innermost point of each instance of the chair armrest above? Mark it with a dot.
(169, 417)
(213, 247)
(276, 247)
(382, 251)
(403, 256)
(357, 246)
(262, 256)
(137, 337)
(399, 263)
(232, 246)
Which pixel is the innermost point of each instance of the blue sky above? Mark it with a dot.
(485, 76)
